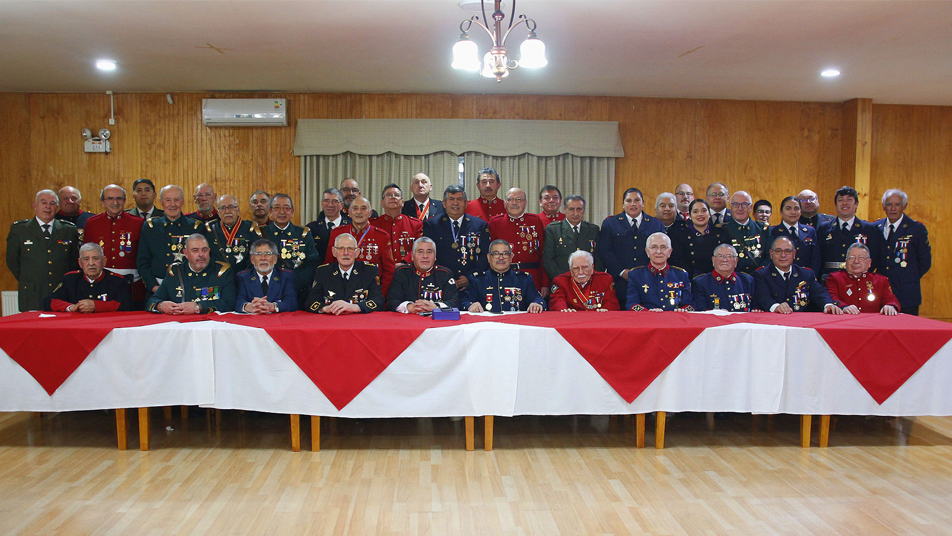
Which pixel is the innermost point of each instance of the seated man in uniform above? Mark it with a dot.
(347, 285)
(422, 286)
(659, 286)
(724, 288)
(858, 290)
(500, 289)
(783, 287)
(90, 289)
(194, 286)
(266, 288)
(582, 288)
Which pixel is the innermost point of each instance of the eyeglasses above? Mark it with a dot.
(515, 199)
(282, 208)
(658, 247)
(745, 204)
(764, 211)
(811, 199)
(330, 201)
(501, 254)
(717, 194)
(683, 194)
(852, 258)
(393, 196)
(779, 251)
(725, 257)
(228, 207)
(345, 249)
(350, 190)
(260, 253)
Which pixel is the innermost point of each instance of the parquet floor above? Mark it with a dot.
(61, 474)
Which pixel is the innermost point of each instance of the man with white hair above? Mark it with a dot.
(859, 290)
(748, 236)
(91, 289)
(231, 237)
(117, 232)
(70, 207)
(659, 286)
(582, 288)
(908, 255)
(724, 288)
(205, 199)
(666, 210)
(162, 240)
(422, 286)
(346, 285)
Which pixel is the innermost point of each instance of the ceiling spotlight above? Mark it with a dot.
(829, 73)
(106, 65)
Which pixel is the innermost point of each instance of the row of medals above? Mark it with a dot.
(125, 243)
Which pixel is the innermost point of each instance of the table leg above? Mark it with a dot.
(824, 431)
(488, 433)
(144, 428)
(295, 433)
(710, 420)
(122, 434)
(659, 429)
(315, 433)
(470, 442)
(167, 412)
(806, 422)
(183, 413)
(640, 431)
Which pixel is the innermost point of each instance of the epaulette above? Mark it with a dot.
(67, 223)
(636, 267)
(677, 268)
(20, 222)
(370, 264)
(58, 287)
(149, 221)
(325, 264)
(438, 268)
(173, 265)
(208, 227)
(224, 267)
(73, 272)
(198, 223)
(305, 231)
(255, 228)
(114, 274)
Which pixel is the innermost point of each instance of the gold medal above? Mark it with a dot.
(455, 245)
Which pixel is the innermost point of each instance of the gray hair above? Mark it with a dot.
(581, 253)
(48, 192)
(264, 242)
(573, 197)
(218, 203)
(713, 184)
(726, 246)
(334, 191)
(423, 240)
(169, 186)
(659, 234)
(256, 192)
(743, 193)
(102, 193)
(91, 246)
(896, 191)
(500, 241)
(454, 189)
(344, 236)
(858, 245)
(285, 196)
(195, 236)
(665, 195)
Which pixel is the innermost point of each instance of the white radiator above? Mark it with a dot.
(10, 304)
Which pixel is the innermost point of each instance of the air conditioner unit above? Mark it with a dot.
(245, 112)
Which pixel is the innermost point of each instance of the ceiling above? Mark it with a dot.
(890, 51)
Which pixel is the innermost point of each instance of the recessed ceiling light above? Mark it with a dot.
(106, 65)
(829, 73)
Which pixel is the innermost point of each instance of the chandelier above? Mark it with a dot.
(496, 63)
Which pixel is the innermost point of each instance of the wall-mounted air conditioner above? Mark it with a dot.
(245, 112)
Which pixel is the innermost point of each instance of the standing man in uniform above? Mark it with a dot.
(837, 235)
(622, 240)
(422, 286)
(748, 236)
(717, 196)
(330, 218)
(684, 194)
(117, 233)
(373, 243)
(143, 193)
(295, 244)
(659, 286)
(205, 199)
(582, 288)
(666, 210)
(550, 201)
(525, 233)
(565, 237)
(90, 289)
(907, 253)
(461, 240)
(421, 206)
(783, 287)
(488, 205)
(260, 204)
(345, 285)
(40, 250)
(231, 237)
(403, 229)
(810, 209)
(71, 210)
(162, 240)
(501, 289)
(195, 285)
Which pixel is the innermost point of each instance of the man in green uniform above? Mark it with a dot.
(194, 286)
(231, 238)
(295, 244)
(40, 250)
(748, 236)
(162, 240)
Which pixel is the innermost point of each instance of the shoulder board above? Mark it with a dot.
(149, 221)
(255, 229)
(208, 227)
(325, 264)
(21, 222)
(197, 224)
(67, 223)
(305, 231)
(224, 267)
(636, 267)
(441, 269)
(58, 287)
(173, 265)
(370, 264)
(73, 272)
(679, 268)
(114, 274)
(695, 278)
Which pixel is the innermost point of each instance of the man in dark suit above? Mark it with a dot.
(622, 240)
(330, 218)
(420, 206)
(501, 289)
(562, 238)
(346, 286)
(837, 235)
(907, 255)
(717, 196)
(422, 286)
(143, 193)
(783, 287)
(265, 288)
(40, 250)
(461, 240)
(810, 209)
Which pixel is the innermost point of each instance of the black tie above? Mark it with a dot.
(330, 226)
(575, 230)
(786, 276)
(717, 218)
(264, 286)
(346, 276)
(793, 232)
(422, 208)
(892, 228)
(634, 226)
(455, 227)
(46, 228)
(846, 226)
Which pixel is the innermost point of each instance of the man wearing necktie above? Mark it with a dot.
(461, 240)
(525, 232)
(622, 240)
(783, 287)
(907, 255)
(347, 285)
(266, 288)
(421, 206)
(562, 238)
(837, 235)
(40, 250)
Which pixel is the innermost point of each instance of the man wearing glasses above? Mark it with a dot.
(861, 291)
(501, 289)
(373, 242)
(231, 237)
(403, 229)
(684, 195)
(749, 237)
(117, 233)
(525, 233)
(351, 190)
(330, 218)
(265, 289)
(205, 199)
(717, 195)
(783, 287)
(659, 286)
(346, 286)
(810, 209)
(724, 288)
(295, 244)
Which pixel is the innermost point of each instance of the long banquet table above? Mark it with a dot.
(393, 365)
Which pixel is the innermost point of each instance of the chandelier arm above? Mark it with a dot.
(475, 20)
(522, 20)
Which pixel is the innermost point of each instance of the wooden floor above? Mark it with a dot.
(62, 474)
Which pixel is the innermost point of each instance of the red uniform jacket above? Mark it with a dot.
(403, 231)
(526, 235)
(485, 210)
(119, 239)
(599, 293)
(869, 292)
(375, 248)
(546, 219)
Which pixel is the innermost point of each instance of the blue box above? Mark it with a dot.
(451, 314)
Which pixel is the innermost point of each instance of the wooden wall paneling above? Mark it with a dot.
(15, 170)
(857, 129)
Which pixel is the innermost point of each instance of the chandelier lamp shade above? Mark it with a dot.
(496, 63)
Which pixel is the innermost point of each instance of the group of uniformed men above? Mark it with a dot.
(485, 254)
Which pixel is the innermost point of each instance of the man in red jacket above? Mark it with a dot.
(859, 290)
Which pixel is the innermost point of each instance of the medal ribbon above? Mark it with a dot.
(584, 298)
(229, 237)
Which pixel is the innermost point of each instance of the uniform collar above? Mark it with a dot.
(102, 274)
(427, 273)
(654, 271)
(721, 279)
(860, 277)
(515, 219)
